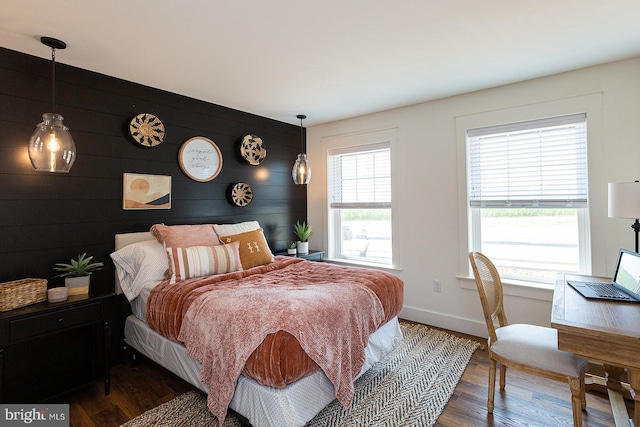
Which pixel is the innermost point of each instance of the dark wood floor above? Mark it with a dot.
(527, 401)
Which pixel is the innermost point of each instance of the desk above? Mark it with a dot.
(601, 331)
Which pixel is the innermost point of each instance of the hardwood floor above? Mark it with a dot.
(527, 400)
(134, 390)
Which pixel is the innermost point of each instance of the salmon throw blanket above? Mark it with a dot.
(330, 310)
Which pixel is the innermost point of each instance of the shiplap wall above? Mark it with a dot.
(47, 218)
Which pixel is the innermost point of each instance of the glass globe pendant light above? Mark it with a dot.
(301, 172)
(51, 147)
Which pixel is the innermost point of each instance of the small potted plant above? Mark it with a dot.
(291, 248)
(304, 231)
(77, 273)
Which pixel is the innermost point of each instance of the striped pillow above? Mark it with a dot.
(199, 261)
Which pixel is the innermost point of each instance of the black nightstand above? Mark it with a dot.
(50, 348)
(311, 256)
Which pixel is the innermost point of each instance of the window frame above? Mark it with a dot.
(500, 194)
(346, 142)
(592, 246)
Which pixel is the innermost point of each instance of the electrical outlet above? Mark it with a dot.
(437, 286)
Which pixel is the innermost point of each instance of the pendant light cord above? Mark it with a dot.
(53, 79)
(301, 117)
(53, 44)
(301, 137)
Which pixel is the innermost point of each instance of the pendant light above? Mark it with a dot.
(51, 147)
(301, 172)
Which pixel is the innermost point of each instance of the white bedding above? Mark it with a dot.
(139, 304)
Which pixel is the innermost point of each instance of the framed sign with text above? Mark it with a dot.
(200, 159)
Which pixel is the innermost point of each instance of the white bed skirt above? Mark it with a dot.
(263, 406)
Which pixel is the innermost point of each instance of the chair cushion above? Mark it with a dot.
(535, 346)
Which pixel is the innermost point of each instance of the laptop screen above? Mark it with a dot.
(627, 275)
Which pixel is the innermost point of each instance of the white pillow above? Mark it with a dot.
(241, 227)
(140, 264)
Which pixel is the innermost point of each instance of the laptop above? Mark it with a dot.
(624, 286)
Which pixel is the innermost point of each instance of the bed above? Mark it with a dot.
(292, 399)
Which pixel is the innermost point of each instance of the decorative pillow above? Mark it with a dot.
(254, 249)
(199, 261)
(240, 227)
(138, 265)
(182, 236)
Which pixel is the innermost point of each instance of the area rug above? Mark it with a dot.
(410, 387)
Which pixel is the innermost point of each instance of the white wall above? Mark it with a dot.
(429, 214)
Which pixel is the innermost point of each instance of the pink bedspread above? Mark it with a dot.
(330, 310)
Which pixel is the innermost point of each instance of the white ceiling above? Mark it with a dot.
(328, 59)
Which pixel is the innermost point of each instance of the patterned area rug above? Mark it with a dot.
(410, 387)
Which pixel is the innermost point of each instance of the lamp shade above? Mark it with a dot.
(624, 200)
(301, 172)
(51, 147)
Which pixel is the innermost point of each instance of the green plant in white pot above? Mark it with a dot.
(291, 248)
(304, 231)
(77, 273)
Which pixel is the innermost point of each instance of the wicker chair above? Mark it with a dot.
(528, 348)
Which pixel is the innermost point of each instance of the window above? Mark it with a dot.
(527, 196)
(359, 196)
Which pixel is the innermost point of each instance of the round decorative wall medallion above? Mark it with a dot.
(253, 149)
(147, 130)
(241, 194)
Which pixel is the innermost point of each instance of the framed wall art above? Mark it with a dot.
(142, 191)
(200, 159)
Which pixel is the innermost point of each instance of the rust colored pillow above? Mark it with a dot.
(254, 249)
(183, 236)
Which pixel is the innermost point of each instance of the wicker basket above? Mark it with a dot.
(19, 293)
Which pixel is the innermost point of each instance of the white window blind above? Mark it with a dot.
(360, 177)
(538, 163)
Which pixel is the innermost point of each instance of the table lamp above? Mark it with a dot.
(624, 202)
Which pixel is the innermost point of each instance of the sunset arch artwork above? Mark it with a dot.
(146, 191)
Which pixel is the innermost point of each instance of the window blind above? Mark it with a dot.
(537, 163)
(360, 177)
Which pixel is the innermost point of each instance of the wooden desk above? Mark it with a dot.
(601, 331)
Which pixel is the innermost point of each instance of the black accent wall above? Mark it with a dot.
(47, 218)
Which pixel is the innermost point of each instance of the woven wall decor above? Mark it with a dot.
(147, 130)
(253, 149)
(241, 194)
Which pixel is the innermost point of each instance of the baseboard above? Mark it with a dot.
(446, 321)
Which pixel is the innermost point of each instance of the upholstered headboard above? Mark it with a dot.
(123, 240)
